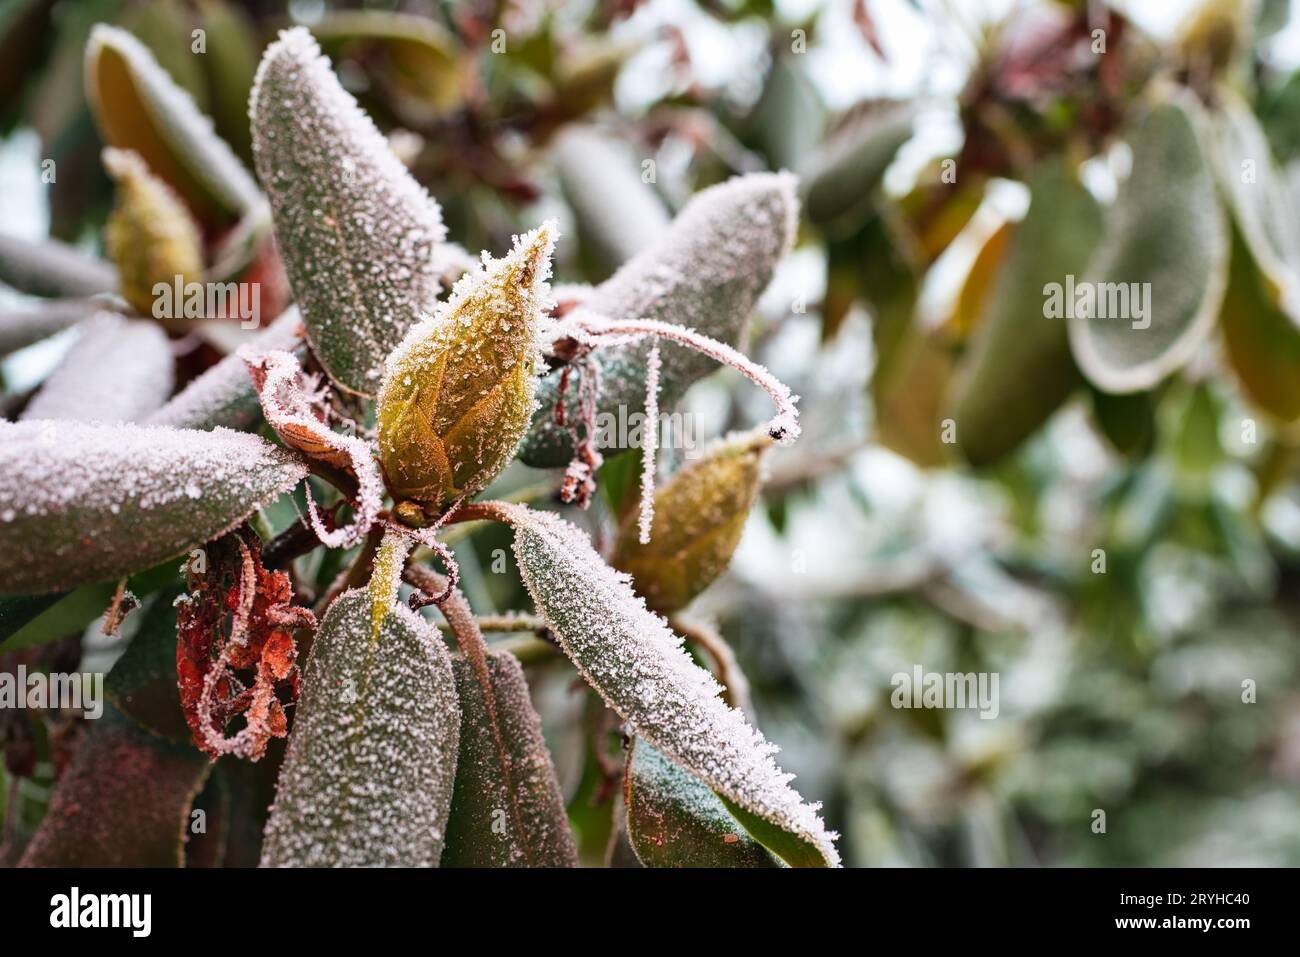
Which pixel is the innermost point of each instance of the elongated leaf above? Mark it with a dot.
(356, 232)
(368, 777)
(139, 107)
(118, 371)
(23, 326)
(636, 663)
(83, 503)
(1019, 369)
(507, 810)
(229, 63)
(706, 273)
(123, 802)
(618, 214)
(838, 181)
(224, 396)
(1165, 240)
(699, 516)
(1262, 340)
(17, 612)
(790, 117)
(52, 268)
(458, 391)
(675, 820)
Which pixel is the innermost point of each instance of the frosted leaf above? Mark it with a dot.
(675, 820)
(52, 268)
(139, 107)
(458, 392)
(367, 780)
(118, 371)
(636, 663)
(150, 234)
(356, 232)
(24, 325)
(705, 273)
(224, 395)
(124, 801)
(84, 503)
(1166, 230)
(697, 522)
(297, 409)
(507, 809)
(617, 212)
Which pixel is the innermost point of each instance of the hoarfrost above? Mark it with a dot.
(368, 777)
(706, 273)
(636, 663)
(118, 371)
(356, 232)
(91, 503)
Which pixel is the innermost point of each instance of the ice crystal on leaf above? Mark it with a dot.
(83, 503)
(367, 780)
(458, 392)
(636, 663)
(356, 232)
(705, 274)
(118, 371)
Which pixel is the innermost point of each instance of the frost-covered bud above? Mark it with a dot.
(150, 234)
(699, 516)
(458, 392)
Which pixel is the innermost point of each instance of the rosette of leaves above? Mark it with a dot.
(398, 753)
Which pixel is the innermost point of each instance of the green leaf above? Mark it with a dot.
(229, 64)
(705, 273)
(790, 117)
(124, 801)
(52, 268)
(507, 809)
(142, 682)
(139, 107)
(85, 503)
(15, 613)
(1018, 369)
(368, 777)
(675, 820)
(636, 663)
(1166, 233)
(117, 371)
(356, 232)
(839, 181)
